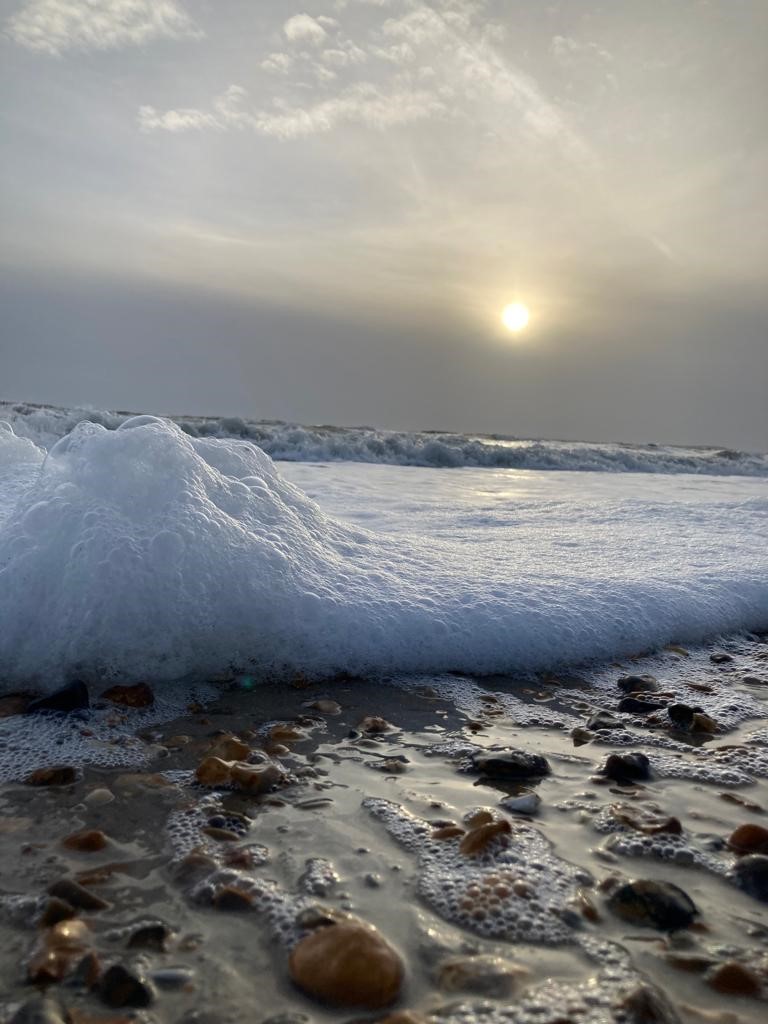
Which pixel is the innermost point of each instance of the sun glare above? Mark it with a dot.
(515, 316)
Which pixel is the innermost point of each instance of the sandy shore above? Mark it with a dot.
(358, 802)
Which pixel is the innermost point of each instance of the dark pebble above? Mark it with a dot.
(751, 874)
(720, 659)
(602, 721)
(150, 936)
(510, 764)
(647, 1005)
(637, 684)
(681, 715)
(56, 910)
(72, 697)
(77, 896)
(637, 706)
(60, 775)
(122, 987)
(632, 767)
(651, 904)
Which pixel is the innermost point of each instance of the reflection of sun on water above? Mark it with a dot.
(515, 316)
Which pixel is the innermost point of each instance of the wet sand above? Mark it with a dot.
(176, 851)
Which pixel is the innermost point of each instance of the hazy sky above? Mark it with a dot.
(317, 212)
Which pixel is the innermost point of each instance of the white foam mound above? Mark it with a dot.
(141, 552)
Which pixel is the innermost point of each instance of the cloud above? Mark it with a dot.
(361, 104)
(303, 28)
(55, 26)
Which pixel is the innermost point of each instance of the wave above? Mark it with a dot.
(144, 553)
(296, 443)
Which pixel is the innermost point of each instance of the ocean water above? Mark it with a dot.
(139, 547)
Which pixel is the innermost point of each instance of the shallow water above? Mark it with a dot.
(240, 971)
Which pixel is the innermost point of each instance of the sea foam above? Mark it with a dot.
(142, 552)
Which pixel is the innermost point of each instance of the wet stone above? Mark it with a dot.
(38, 1010)
(749, 839)
(733, 978)
(720, 659)
(652, 904)
(638, 706)
(137, 696)
(751, 874)
(56, 910)
(603, 721)
(122, 987)
(72, 697)
(637, 684)
(631, 767)
(681, 715)
(88, 841)
(77, 895)
(347, 963)
(523, 803)
(150, 936)
(488, 976)
(510, 764)
(230, 898)
(60, 775)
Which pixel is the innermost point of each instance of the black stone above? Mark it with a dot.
(150, 936)
(681, 715)
(72, 697)
(76, 895)
(121, 987)
(720, 659)
(510, 764)
(632, 767)
(637, 684)
(651, 904)
(634, 705)
(751, 873)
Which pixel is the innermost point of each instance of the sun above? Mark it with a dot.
(515, 317)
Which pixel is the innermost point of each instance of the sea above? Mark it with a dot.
(136, 546)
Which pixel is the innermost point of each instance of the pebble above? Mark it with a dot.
(488, 976)
(347, 963)
(703, 723)
(14, 704)
(749, 839)
(638, 706)
(479, 838)
(154, 935)
(637, 684)
(374, 724)
(646, 1005)
(173, 977)
(734, 979)
(681, 715)
(325, 707)
(98, 797)
(57, 951)
(524, 803)
(60, 775)
(652, 904)
(603, 721)
(77, 896)
(510, 764)
(720, 659)
(580, 736)
(632, 767)
(56, 910)
(229, 748)
(138, 696)
(88, 841)
(229, 897)
(123, 987)
(72, 697)
(751, 874)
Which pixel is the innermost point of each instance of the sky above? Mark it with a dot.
(317, 212)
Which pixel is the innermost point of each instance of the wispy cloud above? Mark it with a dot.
(360, 104)
(55, 26)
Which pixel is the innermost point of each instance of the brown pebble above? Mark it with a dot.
(120, 987)
(255, 778)
(229, 748)
(57, 951)
(703, 723)
(347, 964)
(325, 707)
(221, 835)
(88, 841)
(138, 696)
(479, 839)
(375, 724)
(749, 839)
(61, 775)
(150, 936)
(285, 733)
(448, 832)
(478, 818)
(213, 772)
(232, 898)
(14, 704)
(736, 798)
(734, 979)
